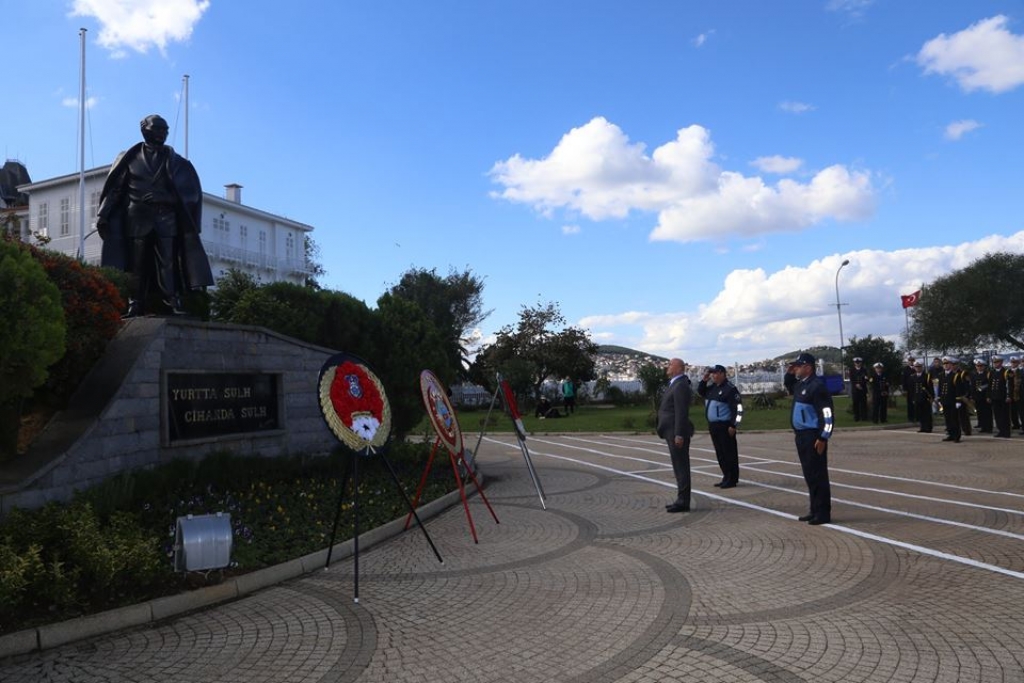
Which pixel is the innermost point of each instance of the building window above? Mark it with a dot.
(289, 245)
(43, 219)
(94, 203)
(263, 242)
(65, 217)
(243, 230)
(220, 223)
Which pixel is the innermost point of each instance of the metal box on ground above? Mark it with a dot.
(202, 542)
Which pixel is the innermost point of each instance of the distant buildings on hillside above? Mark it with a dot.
(269, 247)
(620, 364)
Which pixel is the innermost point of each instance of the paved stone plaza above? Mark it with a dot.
(920, 578)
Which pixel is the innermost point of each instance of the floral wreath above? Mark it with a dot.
(440, 411)
(354, 404)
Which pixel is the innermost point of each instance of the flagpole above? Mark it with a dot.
(81, 155)
(185, 79)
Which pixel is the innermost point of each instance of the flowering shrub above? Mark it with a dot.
(92, 311)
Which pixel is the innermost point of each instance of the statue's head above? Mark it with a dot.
(154, 129)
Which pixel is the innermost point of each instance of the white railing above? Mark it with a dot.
(255, 259)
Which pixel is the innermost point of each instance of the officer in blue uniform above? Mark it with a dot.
(812, 426)
(723, 407)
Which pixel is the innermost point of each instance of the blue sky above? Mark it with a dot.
(683, 178)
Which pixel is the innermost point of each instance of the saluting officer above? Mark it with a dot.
(723, 408)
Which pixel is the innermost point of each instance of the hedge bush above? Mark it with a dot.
(113, 545)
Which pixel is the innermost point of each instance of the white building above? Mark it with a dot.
(271, 248)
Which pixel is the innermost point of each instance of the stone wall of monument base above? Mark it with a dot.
(128, 432)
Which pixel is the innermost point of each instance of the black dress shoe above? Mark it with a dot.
(949, 438)
(678, 507)
(805, 518)
(819, 520)
(719, 483)
(728, 485)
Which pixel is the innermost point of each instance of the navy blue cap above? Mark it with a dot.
(804, 359)
(718, 368)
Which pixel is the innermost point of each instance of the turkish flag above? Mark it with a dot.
(910, 299)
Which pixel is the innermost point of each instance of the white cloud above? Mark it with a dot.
(985, 56)
(571, 230)
(703, 38)
(141, 24)
(72, 102)
(759, 315)
(958, 129)
(853, 8)
(796, 107)
(595, 170)
(777, 164)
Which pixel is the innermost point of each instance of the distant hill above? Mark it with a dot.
(828, 354)
(622, 363)
(613, 349)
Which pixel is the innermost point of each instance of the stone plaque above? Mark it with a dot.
(203, 405)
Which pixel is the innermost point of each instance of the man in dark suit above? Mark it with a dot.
(675, 427)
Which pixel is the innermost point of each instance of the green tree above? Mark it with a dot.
(10, 224)
(877, 350)
(533, 351)
(231, 287)
(653, 380)
(314, 268)
(31, 336)
(334, 320)
(975, 307)
(453, 303)
(408, 343)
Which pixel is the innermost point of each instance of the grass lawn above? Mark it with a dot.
(603, 418)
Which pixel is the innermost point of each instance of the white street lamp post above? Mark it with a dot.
(839, 311)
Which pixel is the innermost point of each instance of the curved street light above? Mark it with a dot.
(839, 311)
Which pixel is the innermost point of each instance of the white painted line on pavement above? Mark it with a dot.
(835, 484)
(859, 473)
(837, 527)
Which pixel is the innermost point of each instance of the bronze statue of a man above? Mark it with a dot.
(149, 218)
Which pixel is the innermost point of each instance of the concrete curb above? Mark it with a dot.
(62, 633)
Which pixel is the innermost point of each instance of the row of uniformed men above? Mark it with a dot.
(993, 393)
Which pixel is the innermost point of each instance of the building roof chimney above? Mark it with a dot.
(233, 193)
